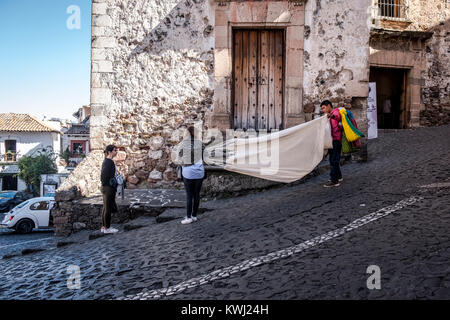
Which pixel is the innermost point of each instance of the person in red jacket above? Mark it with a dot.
(335, 153)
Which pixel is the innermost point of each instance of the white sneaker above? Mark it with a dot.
(102, 230)
(110, 230)
(187, 220)
(194, 219)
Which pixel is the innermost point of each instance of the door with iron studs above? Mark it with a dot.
(258, 75)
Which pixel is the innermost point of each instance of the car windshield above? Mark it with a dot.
(8, 195)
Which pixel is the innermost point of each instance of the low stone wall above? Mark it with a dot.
(72, 216)
(73, 213)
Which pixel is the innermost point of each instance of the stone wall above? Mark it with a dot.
(429, 58)
(152, 64)
(336, 57)
(153, 71)
(436, 91)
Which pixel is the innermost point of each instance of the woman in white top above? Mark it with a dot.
(193, 173)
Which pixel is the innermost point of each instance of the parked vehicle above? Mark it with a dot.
(31, 214)
(10, 199)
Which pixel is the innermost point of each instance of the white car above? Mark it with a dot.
(30, 214)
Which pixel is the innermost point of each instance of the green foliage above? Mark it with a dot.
(31, 168)
(66, 156)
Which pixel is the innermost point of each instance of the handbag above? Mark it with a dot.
(113, 182)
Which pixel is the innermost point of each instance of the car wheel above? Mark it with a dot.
(24, 226)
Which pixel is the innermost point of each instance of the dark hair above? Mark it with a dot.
(109, 148)
(326, 103)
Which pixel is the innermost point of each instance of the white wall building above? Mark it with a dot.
(22, 135)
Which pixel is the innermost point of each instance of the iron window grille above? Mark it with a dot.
(396, 10)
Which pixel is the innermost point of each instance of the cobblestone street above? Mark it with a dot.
(301, 241)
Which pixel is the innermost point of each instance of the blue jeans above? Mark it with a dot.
(192, 187)
(335, 161)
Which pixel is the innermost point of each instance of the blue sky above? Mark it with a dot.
(44, 66)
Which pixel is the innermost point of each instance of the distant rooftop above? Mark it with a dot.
(16, 122)
(78, 128)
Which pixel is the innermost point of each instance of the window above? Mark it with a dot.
(77, 148)
(10, 150)
(43, 205)
(392, 9)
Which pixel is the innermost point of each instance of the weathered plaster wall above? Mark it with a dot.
(422, 15)
(336, 55)
(153, 71)
(436, 91)
(152, 68)
(336, 49)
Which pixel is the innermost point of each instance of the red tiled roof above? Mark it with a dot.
(16, 122)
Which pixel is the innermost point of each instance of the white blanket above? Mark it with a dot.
(283, 156)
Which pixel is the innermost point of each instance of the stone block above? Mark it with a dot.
(101, 96)
(121, 156)
(104, 42)
(295, 37)
(133, 180)
(96, 80)
(99, 8)
(98, 31)
(79, 226)
(101, 21)
(102, 66)
(221, 18)
(155, 154)
(294, 100)
(222, 62)
(278, 12)
(297, 14)
(67, 195)
(155, 175)
(309, 108)
(142, 175)
(221, 42)
(156, 143)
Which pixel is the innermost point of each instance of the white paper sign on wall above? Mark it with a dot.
(372, 111)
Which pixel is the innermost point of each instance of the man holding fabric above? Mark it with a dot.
(335, 153)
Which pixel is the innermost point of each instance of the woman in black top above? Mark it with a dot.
(109, 189)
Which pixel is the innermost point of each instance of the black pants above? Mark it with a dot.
(192, 187)
(109, 205)
(335, 161)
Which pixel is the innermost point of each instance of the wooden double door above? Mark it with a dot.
(258, 77)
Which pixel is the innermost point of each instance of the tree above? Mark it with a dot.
(66, 156)
(31, 167)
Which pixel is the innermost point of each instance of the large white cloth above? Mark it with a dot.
(283, 156)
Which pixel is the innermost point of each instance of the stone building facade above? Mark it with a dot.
(232, 64)
(409, 60)
(160, 65)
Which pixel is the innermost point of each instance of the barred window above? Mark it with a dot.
(392, 8)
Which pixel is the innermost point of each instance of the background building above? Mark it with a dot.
(76, 138)
(22, 135)
(410, 62)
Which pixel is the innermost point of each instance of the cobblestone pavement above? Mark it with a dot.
(12, 243)
(295, 242)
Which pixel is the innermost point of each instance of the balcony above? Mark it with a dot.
(9, 157)
(389, 11)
